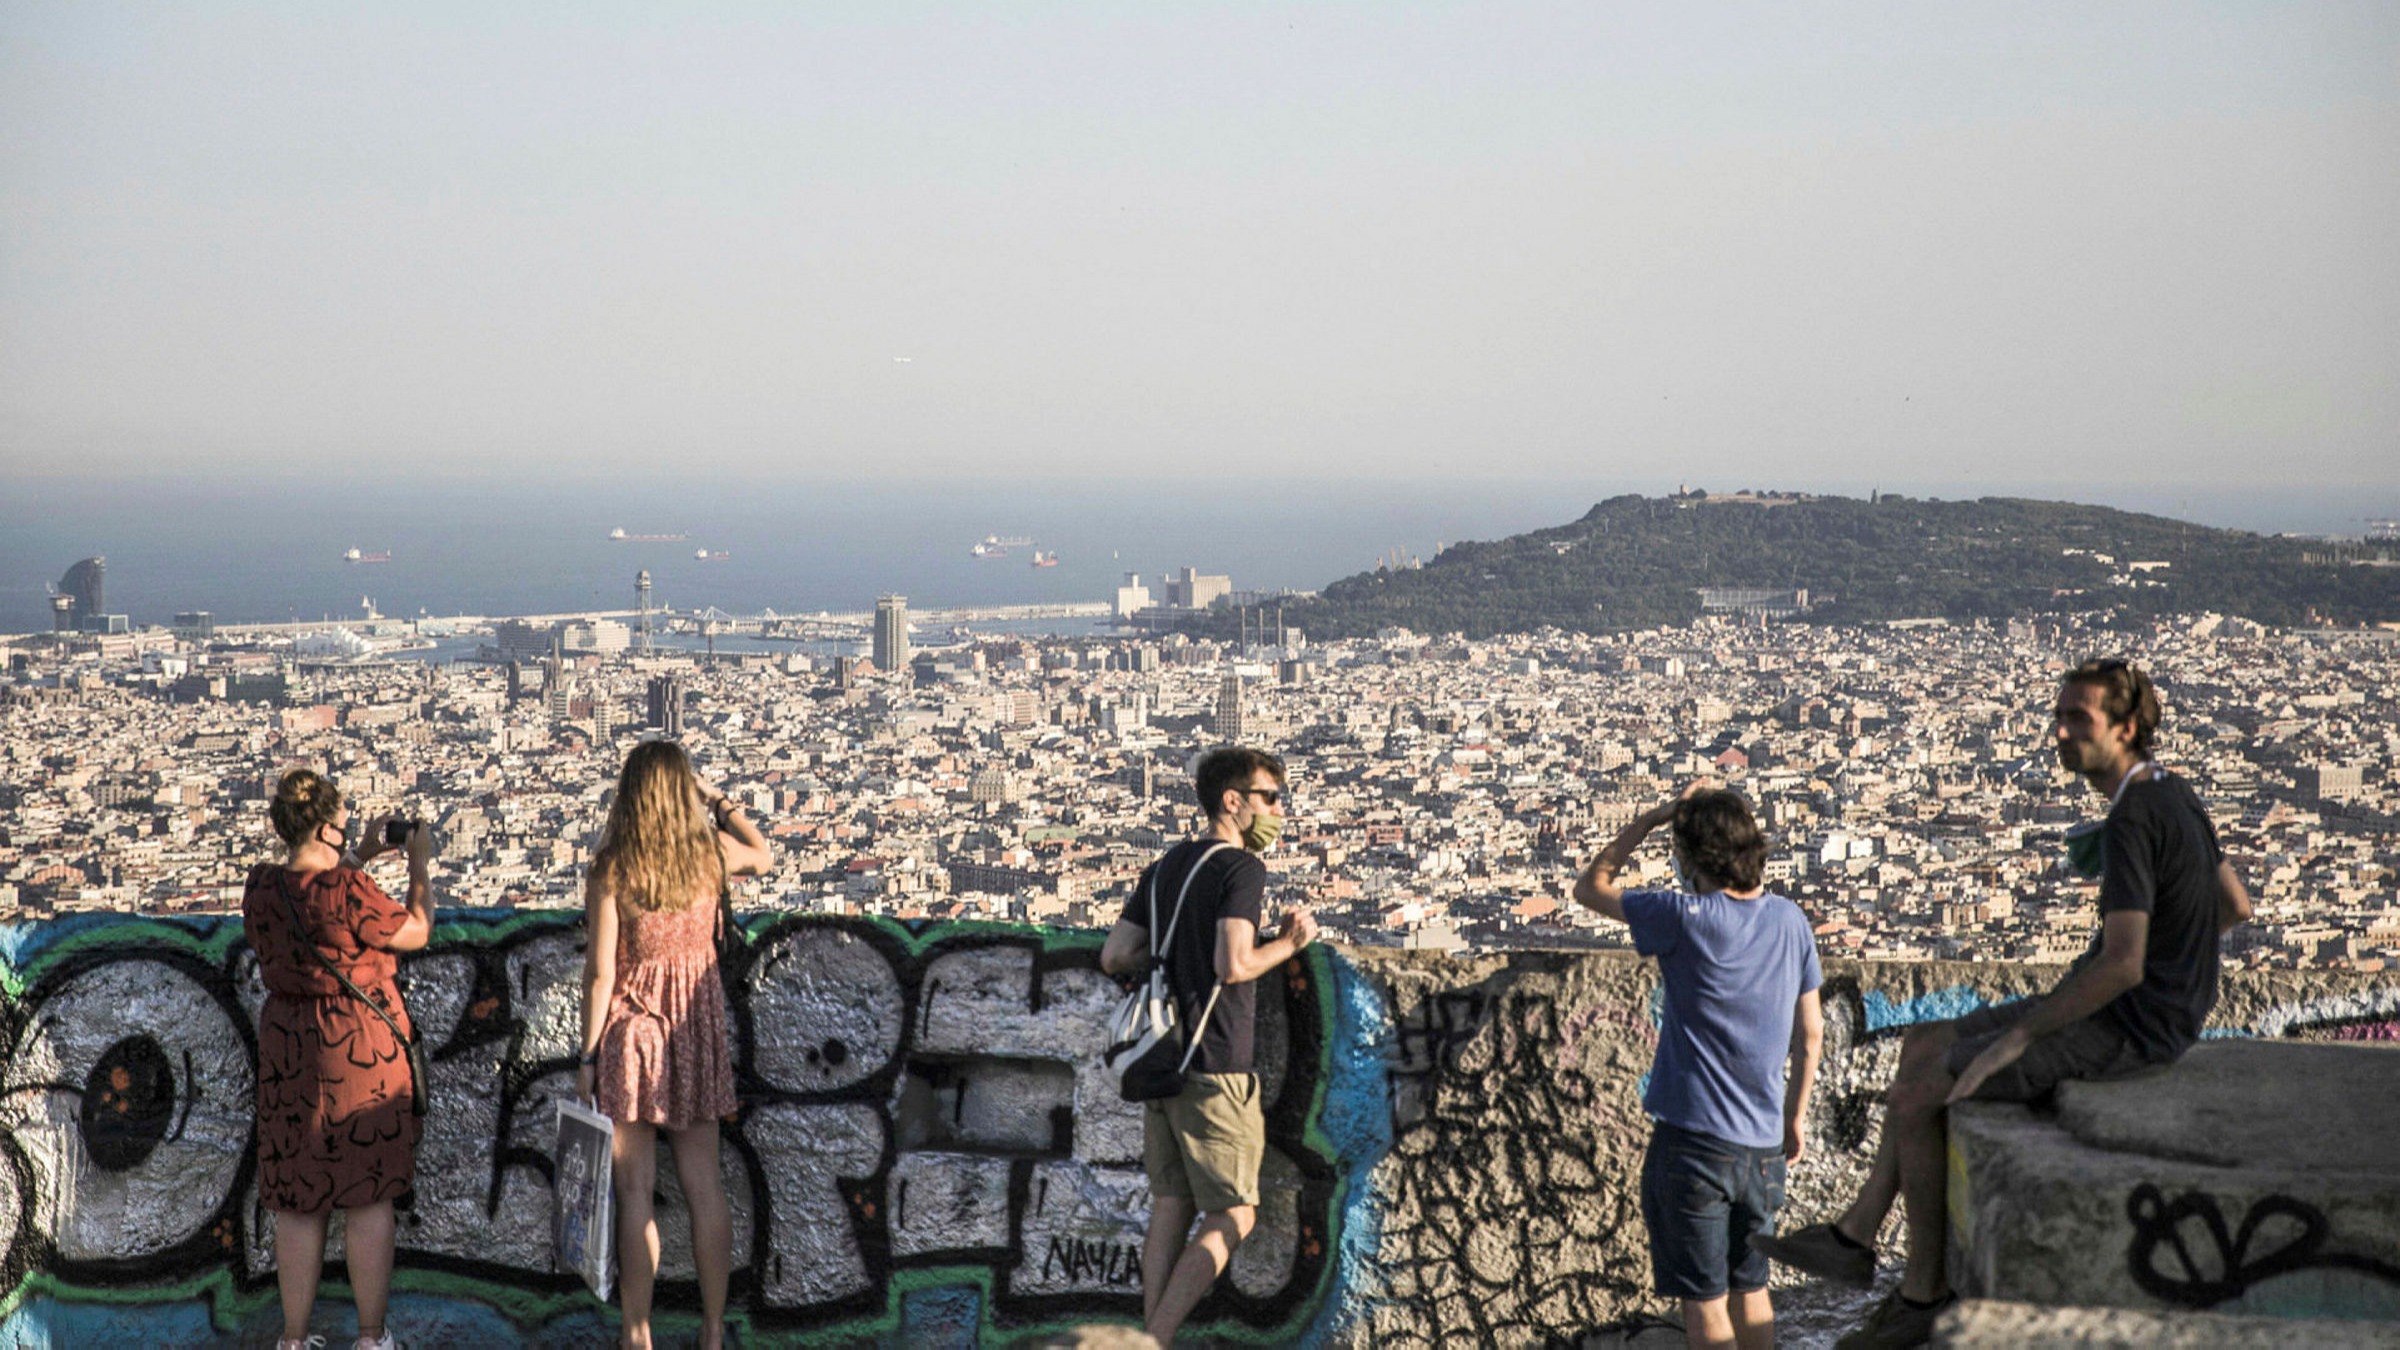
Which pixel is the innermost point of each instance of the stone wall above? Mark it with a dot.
(926, 1154)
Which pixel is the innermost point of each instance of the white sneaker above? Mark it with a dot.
(309, 1343)
(382, 1342)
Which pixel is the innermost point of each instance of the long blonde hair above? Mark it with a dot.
(661, 847)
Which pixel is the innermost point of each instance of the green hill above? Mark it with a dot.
(1634, 562)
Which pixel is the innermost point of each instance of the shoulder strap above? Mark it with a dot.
(724, 897)
(1200, 1028)
(308, 939)
(1157, 942)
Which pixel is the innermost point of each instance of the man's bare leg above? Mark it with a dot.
(1170, 1227)
(1706, 1324)
(1753, 1319)
(1922, 1048)
(1203, 1260)
(1920, 1121)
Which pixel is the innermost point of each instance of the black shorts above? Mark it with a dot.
(2088, 1051)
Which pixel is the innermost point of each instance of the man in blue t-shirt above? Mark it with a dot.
(1739, 966)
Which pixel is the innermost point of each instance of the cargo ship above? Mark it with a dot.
(618, 535)
(355, 556)
(997, 546)
(1043, 557)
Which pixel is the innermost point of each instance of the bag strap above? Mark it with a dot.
(724, 897)
(1157, 943)
(1199, 1029)
(309, 939)
(1191, 1045)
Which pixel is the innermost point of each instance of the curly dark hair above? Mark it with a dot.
(1230, 767)
(305, 802)
(2126, 694)
(1720, 840)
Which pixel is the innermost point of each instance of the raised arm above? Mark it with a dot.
(747, 852)
(1808, 1041)
(1241, 957)
(1597, 888)
(417, 930)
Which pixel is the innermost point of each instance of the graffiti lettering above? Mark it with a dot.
(914, 1099)
(1493, 1233)
(1075, 1260)
(2183, 1251)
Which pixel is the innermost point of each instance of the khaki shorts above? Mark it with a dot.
(1204, 1144)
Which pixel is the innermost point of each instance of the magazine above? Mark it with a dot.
(586, 1230)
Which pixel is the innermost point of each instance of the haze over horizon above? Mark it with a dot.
(1977, 248)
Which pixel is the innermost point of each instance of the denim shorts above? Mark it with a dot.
(1703, 1197)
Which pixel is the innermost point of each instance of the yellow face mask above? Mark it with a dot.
(1260, 833)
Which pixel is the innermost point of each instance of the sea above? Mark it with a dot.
(272, 551)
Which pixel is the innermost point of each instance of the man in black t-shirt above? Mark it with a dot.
(1202, 1148)
(2136, 999)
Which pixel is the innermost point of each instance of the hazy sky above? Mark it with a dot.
(1781, 244)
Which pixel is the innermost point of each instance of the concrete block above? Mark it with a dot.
(1992, 1324)
(2252, 1179)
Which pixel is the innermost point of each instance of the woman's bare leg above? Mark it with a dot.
(299, 1260)
(369, 1234)
(696, 1167)
(635, 1150)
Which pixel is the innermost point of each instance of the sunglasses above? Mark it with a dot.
(1271, 796)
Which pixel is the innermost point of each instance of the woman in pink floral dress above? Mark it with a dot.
(657, 1054)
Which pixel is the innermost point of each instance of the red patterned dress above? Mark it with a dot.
(335, 1126)
(665, 1056)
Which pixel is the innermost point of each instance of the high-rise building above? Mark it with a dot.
(641, 605)
(1132, 597)
(891, 632)
(62, 614)
(1231, 726)
(666, 704)
(199, 625)
(87, 584)
(1193, 590)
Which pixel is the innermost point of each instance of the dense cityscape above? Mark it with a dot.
(1446, 789)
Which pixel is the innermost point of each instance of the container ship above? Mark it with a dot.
(618, 535)
(997, 545)
(355, 556)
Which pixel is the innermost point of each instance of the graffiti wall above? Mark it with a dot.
(926, 1152)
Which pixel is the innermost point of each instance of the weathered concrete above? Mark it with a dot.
(1989, 1324)
(2299, 1109)
(2250, 1178)
(925, 1154)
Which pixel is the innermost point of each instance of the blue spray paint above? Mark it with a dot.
(1357, 1121)
(1885, 1013)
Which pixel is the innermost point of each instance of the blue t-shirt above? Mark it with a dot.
(1732, 970)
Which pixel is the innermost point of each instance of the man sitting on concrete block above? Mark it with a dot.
(2135, 1000)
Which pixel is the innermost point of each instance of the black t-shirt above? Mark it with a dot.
(1232, 884)
(2160, 855)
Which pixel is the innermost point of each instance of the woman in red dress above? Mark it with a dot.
(656, 1051)
(336, 1127)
